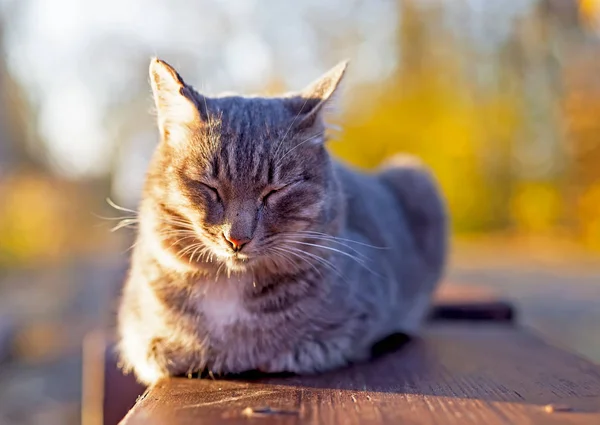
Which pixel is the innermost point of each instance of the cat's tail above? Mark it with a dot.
(419, 195)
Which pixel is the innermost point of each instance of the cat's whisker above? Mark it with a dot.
(193, 253)
(193, 248)
(329, 239)
(332, 240)
(124, 223)
(166, 235)
(289, 151)
(282, 250)
(290, 127)
(278, 256)
(182, 251)
(171, 232)
(180, 223)
(202, 253)
(357, 259)
(317, 258)
(125, 217)
(198, 251)
(283, 256)
(180, 226)
(133, 245)
(316, 245)
(177, 230)
(187, 249)
(218, 271)
(118, 207)
(180, 240)
(339, 239)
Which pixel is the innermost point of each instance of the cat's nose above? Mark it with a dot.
(236, 242)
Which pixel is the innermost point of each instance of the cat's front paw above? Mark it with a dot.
(149, 373)
(163, 359)
(147, 367)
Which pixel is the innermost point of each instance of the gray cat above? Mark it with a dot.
(258, 251)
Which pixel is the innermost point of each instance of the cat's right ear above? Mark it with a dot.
(176, 107)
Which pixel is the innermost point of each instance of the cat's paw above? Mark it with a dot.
(162, 359)
(140, 357)
(149, 373)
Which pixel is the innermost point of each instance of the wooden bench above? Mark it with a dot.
(471, 366)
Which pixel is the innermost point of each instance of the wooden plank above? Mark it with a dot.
(107, 394)
(466, 311)
(455, 302)
(456, 374)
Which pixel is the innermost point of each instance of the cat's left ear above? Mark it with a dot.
(175, 103)
(320, 100)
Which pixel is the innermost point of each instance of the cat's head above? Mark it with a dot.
(241, 182)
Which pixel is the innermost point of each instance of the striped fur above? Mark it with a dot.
(334, 261)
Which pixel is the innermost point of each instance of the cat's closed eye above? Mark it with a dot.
(213, 191)
(274, 190)
(270, 192)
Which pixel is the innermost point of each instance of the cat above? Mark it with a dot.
(256, 250)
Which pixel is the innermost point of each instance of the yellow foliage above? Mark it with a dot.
(536, 207)
(29, 220)
(43, 219)
(589, 11)
(589, 216)
(437, 120)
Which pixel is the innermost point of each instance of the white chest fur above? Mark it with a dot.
(222, 304)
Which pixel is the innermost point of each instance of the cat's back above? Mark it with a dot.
(400, 205)
(390, 273)
(399, 209)
(372, 211)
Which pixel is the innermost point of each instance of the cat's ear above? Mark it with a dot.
(176, 108)
(320, 99)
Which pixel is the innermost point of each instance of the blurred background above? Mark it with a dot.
(500, 97)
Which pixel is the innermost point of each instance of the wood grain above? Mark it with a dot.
(456, 374)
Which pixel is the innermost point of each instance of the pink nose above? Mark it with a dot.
(236, 243)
